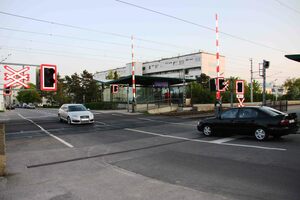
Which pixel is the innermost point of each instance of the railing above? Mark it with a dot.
(279, 105)
(163, 103)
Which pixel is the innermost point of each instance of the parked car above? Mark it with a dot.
(75, 114)
(258, 121)
(30, 106)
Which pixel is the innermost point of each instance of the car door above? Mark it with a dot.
(226, 122)
(246, 120)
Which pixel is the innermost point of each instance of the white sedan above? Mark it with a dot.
(75, 114)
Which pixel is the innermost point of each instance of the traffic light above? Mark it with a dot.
(7, 91)
(239, 87)
(221, 84)
(212, 85)
(48, 77)
(114, 89)
(266, 64)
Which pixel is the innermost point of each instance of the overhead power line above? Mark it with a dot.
(78, 38)
(287, 6)
(202, 26)
(87, 29)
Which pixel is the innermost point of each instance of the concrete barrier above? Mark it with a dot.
(163, 110)
(2, 150)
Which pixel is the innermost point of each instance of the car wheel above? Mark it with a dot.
(207, 130)
(260, 134)
(69, 120)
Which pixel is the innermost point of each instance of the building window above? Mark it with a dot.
(144, 68)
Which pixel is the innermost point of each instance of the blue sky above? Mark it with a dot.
(266, 22)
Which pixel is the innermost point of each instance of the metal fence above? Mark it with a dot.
(279, 105)
(163, 103)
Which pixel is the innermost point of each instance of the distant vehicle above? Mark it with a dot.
(10, 107)
(258, 121)
(30, 106)
(75, 114)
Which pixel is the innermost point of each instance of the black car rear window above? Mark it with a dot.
(272, 111)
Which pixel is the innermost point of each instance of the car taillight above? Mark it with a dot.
(284, 122)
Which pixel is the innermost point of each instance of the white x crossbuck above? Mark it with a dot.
(16, 77)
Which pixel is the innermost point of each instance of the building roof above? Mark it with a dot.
(148, 80)
(295, 57)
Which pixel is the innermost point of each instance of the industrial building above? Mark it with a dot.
(190, 65)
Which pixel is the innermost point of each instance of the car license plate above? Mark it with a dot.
(291, 121)
(84, 119)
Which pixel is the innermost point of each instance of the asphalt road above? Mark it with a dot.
(136, 156)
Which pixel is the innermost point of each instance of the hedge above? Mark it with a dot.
(101, 105)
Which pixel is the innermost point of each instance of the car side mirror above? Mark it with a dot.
(88, 109)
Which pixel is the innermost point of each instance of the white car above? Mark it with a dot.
(75, 114)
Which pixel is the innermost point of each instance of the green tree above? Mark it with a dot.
(30, 95)
(74, 89)
(203, 79)
(90, 87)
(112, 75)
(293, 88)
(199, 94)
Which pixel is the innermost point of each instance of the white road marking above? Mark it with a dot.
(102, 123)
(204, 141)
(175, 123)
(47, 132)
(222, 140)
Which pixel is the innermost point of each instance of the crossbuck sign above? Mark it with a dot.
(16, 77)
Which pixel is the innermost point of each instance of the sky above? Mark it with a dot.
(267, 29)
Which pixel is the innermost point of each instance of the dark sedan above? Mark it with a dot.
(258, 121)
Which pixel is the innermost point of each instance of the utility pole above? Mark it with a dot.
(262, 69)
(251, 83)
(183, 91)
(231, 92)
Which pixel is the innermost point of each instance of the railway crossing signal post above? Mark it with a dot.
(262, 72)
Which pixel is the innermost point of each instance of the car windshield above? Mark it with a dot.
(76, 108)
(272, 111)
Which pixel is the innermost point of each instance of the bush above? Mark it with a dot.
(101, 105)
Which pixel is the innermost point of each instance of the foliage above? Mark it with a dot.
(58, 97)
(29, 95)
(203, 80)
(199, 91)
(293, 88)
(112, 75)
(101, 105)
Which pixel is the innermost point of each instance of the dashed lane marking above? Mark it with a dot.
(204, 141)
(47, 132)
(222, 140)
